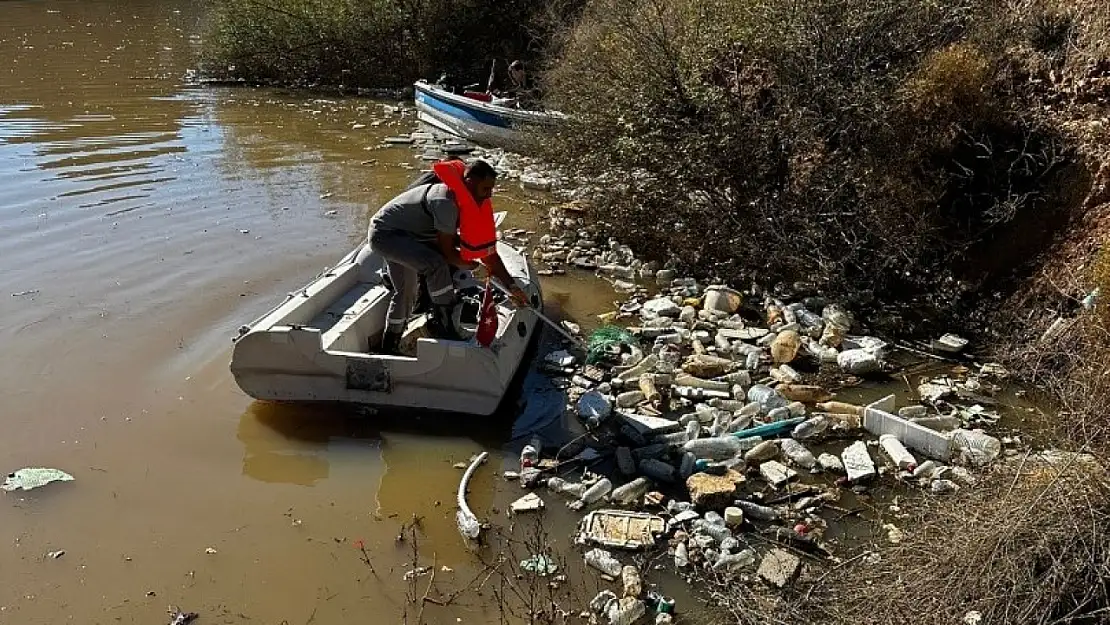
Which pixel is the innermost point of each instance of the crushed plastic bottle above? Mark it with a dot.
(626, 611)
(765, 450)
(797, 453)
(563, 487)
(811, 427)
(603, 561)
(976, 448)
(755, 511)
(630, 493)
(631, 582)
(681, 556)
(735, 561)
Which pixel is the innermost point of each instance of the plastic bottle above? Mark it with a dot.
(839, 407)
(734, 561)
(785, 373)
(751, 361)
(603, 561)
(657, 470)
(767, 397)
(811, 427)
(717, 532)
(765, 450)
(688, 466)
(647, 387)
(976, 448)
(563, 487)
(693, 429)
(743, 378)
(773, 310)
(625, 463)
(654, 450)
(629, 399)
(915, 411)
(631, 492)
(681, 556)
(594, 493)
(797, 453)
(644, 366)
(755, 511)
(897, 452)
(784, 348)
(796, 408)
(632, 584)
(529, 456)
(940, 423)
(738, 423)
(685, 379)
(718, 448)
(779, 414)
(925, 469)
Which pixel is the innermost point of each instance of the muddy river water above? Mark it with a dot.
(143, 218)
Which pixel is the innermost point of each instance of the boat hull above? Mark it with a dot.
(296, 353)
(480, 122)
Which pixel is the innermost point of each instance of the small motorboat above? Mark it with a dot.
(475, 116)
(319, 344)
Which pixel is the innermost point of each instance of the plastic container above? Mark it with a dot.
(603, 561)
(631, 583)
(897, 452)
(797, 453)
(718, 448)
(734, 516)
(631, 492)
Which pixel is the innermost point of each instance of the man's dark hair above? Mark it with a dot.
(480, 170)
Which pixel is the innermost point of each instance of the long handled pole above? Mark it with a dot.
(558, 328)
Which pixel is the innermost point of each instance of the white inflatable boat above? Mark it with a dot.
(318, 345)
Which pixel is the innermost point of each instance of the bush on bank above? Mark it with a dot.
(375, 43)
(894, 149)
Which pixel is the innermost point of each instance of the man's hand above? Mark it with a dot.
(518, 297)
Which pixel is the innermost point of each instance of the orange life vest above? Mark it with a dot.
(477, 230)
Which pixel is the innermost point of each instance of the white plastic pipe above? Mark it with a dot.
(468, 522)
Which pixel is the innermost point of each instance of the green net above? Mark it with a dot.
(602, 339)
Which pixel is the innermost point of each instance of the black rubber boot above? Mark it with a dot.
(442, 325)
(391, 343)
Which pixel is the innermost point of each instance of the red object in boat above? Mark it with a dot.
(478, 95)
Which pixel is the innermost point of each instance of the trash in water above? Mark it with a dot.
(467, 521)
(54, 555)
(540, 565)
(177, 617)
(33, 477)
(528, 503)
(620, 529)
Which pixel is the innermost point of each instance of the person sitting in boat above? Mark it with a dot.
(517, 84)
(425, 231)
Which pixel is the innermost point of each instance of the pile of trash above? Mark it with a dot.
(714, 431)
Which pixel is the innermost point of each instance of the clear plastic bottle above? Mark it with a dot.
(631, 492)
(755, 511)
(603, 561)
(767, 397)
(600, 489)
(763, 451)
(718, 448)
(897, 452)
(798, 453)
(814, 426)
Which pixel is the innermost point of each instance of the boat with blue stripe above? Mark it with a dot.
(485, 123)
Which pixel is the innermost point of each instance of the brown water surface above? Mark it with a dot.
(143, 218)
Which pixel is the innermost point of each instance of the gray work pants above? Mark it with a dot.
(406, 259)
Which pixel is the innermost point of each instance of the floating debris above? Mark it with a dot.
(34, 477)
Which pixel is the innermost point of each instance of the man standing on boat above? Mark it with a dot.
(425, 231)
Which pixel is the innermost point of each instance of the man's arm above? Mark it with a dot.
(446, 243)
(497, 270)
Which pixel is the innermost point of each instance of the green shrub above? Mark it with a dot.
(871, 145)
(374, 43)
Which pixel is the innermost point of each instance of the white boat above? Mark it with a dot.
(478, 121)
(318, 345)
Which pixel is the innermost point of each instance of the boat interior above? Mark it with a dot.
(348, 305)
